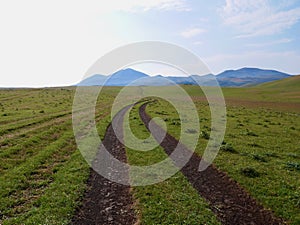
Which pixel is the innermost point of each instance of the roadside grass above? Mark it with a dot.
(260, 151)
(173, 201)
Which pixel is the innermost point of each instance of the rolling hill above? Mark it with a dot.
(229, 78)
(283, 93)
(290, 84)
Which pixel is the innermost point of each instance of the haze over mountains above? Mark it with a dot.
(229, 78)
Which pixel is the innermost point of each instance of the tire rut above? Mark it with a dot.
(227, 199)
(107, 202)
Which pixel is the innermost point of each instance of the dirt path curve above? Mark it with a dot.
(228, 200)
(107, 202)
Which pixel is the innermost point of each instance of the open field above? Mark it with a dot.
(43, 175)
(260, 151)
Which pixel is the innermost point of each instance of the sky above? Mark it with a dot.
(53, 43)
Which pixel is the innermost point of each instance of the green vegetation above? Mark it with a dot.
(265, 143)
(290, 84)
(173, 201)
(43, 175)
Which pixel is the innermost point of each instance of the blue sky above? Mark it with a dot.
(51, 43)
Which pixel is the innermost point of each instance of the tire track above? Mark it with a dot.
(228, 200)
(19, 126)
(107, 202)
(35, 128)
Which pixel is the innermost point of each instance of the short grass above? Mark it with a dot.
(173, 201)
(42, 173)
(260, 150)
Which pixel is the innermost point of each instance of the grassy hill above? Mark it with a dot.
(279, 95)
(291, 84)
(282, 92)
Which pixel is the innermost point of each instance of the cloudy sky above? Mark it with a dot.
(51, 43)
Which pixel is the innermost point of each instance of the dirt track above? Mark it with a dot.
(228, 200)
(106, 202)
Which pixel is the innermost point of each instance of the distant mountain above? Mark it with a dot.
(229, 78)
(125, 77)
(95, 80)
(119, 78)
(154, 81)
(249, 77)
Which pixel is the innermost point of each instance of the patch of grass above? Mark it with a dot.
(58, 202)
(176, 122)
(271, 154)
(293, 155)
(191, 131)
(292, 166)
(250, 133)
(204, 134)
(259, 158)
(254, 145)
(228, 148)
(249, 172)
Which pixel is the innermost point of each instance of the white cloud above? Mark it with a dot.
(276, 42)
(145, 5)
(256, 18)
(192, 32)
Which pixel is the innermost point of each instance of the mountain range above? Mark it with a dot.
(229, 78)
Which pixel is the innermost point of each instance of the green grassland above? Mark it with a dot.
(173, 201)
(286, 92)
(260, 150)
(261, 146)
(43, 175)
(289, 84)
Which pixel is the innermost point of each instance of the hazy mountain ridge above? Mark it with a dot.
(228, 78)
(249, 76)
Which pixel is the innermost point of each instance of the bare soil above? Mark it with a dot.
(107, 202)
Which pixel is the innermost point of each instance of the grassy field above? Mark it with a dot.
(43, 175)
(173, 201)
(261, 151)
